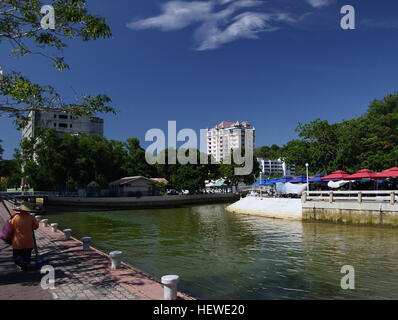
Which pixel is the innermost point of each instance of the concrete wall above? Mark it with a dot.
(368, 213)
(143, 202)
(147, 188)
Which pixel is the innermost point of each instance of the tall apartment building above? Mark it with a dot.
(229, 135)
(62, 123)
(276, 167)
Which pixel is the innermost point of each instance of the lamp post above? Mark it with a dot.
(308, 186)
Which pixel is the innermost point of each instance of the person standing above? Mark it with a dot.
(23, 226)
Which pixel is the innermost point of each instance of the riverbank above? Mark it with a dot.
(278, 208)
(140, 203)
(220, 255)
(79, 275)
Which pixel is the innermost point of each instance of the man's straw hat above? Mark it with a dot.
(23, 208)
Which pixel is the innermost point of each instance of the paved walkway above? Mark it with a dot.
(79, 275)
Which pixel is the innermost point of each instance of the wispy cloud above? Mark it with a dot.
(176, 15)
(246, 25)
(320, 3)
(219, 21)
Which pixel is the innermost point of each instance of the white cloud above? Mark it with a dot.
(219, 21)
(319, 3)
(176, 15)
(246, 25)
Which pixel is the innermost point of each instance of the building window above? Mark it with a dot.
(63, 125)
(63, 117)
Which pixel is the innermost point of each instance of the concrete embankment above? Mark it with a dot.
(279, 208)
(141, 203)
(367, 213)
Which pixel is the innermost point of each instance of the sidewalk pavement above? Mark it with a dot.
(79, 275)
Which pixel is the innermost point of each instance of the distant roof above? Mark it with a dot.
(219, 183)
(128, 179)
(229, 124)
(93, 184)
(161, 180)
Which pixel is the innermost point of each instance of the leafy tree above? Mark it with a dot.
(56, 162)
(228, 166)
(323, 140)
(296, 152)
(189, 176)
(268, 153)
(20, 28)
(136, 164)
(167, 168)
(185, 176)
(369, 141)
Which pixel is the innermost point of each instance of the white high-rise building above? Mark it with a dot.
(229, 135)
(62, 123)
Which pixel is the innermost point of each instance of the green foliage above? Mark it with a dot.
(10, 172)
(20, 27)
(228, 166)
(189, 177)
(369, 141)
(54, 162)
(136, 164)
(160, 188)
(268, 153)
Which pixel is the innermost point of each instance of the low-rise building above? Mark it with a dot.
(276, 167)
(133, 187)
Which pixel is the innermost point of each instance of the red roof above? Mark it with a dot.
(225, 124)
(161, 180)
(229, 124)
(390, 173)
(363, 174)
(337, 175)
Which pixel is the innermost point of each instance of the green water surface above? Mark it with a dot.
(219, 255)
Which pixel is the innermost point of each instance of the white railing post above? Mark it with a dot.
(304, 197)
(359, 197)
(54, 227)
(392, 197)
(116, 259)
(170, 286)
(331, 196)
(67, 233)
(44, 222)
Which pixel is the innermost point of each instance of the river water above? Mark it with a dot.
(219, 255)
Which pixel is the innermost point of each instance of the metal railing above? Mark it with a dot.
(390, 196)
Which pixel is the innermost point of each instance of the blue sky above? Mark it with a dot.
(272, 63)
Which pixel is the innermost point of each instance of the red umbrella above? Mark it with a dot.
(337, 175)
(390, 173)
(363, 174)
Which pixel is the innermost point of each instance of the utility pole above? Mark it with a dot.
(308, 185)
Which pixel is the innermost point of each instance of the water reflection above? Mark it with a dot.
(219, 255)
